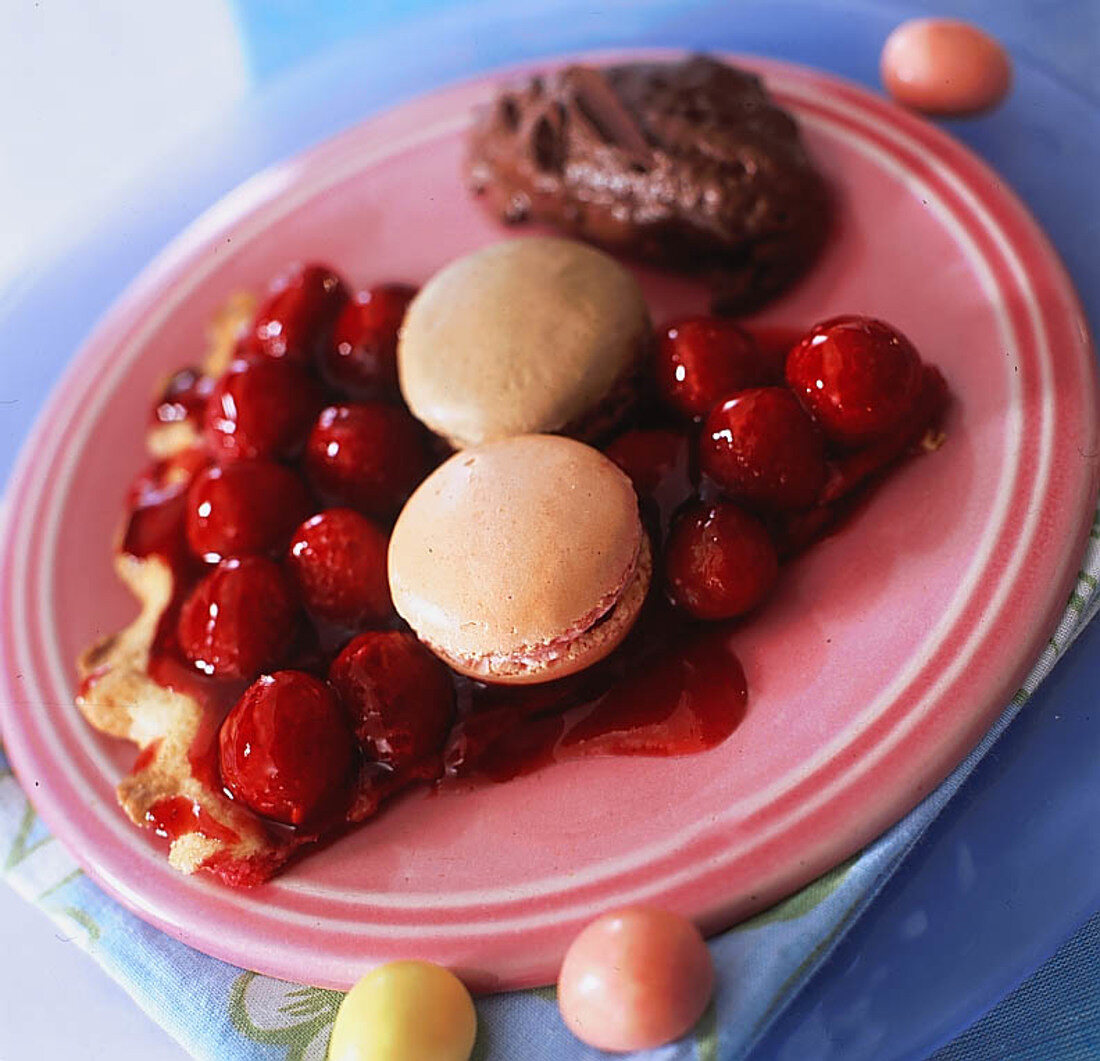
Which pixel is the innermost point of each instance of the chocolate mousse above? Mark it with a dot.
(689, 165)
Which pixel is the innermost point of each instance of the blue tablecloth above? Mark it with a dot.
(236, 1014)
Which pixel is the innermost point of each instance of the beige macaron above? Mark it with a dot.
(529, 335)
(521, 560)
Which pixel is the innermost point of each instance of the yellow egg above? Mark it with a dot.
(405, 1011)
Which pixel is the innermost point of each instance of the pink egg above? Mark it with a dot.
(634, 979)
(944, 66)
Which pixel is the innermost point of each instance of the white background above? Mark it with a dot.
(92, 94)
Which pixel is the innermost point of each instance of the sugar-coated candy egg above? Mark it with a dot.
(405, 1011)
(634, 979)
(944, 66)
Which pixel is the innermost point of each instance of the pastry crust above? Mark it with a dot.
(120, 699)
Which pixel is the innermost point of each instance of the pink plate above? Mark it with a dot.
(884, 656)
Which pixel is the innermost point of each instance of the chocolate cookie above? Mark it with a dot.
(689, 165)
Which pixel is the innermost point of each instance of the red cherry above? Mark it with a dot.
(399, 696)
(650, 457)
(338, 559)
(760, 447)
(296, 320)
(719, 561)
(849, 471)
(184, 397)
(239, 619)
(362, 357)
(702, 359)
(260, 408)
(167, 477)
(244, 508)
(857, 376)
(157, 503)
(286, 749)
(367, 455)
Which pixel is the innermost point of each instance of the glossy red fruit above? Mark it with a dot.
(367, 455)
(260, 408)
(167, 477)
(761, 447)
(702, 359)
(157, 503)
(849, 471)
(244, 508)
(239, 619)
(857, 376)
(362, 357)
(650, 457)
(338, 560)
(295, 322)
(399, 696)
(184, 397)
(286, 748)
(719, 561)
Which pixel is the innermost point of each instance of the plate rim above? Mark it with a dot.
(234, 205)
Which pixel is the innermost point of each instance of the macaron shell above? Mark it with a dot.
(523, 336)
(512, 545)
(568, 657)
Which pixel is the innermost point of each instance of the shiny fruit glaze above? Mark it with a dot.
(295, 321)
(361, 359)
(761, 448)
(702, 359)
(669, 689)
(176, 815)
(239, 619)
(366, 455)
(720, 561)
(286, 749)
(398, 696)
(183, 398)
(345, 707)
(650, 457)
(260, 408)
(338, 561)
(246, 508)
(857, 377)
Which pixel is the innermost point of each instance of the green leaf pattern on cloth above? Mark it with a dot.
(277, 1013)
(37, 866)
(21, 845)
(802, 902)
(706, 1034)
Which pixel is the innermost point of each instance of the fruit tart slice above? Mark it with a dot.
(255, 580)
(277, 699)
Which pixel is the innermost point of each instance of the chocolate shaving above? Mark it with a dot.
(598, 103)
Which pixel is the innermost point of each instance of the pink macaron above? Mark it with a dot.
(521, 560)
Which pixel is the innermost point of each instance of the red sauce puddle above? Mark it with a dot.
(177, 815)
(146, 756)
(671, 689)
